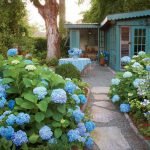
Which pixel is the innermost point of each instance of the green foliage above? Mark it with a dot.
(42, 112)
(101, 8)
(52, 62)
(40, 44)
(13, 27)
(68, 71)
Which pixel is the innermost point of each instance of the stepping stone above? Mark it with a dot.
(103, 115)
(101, 97)
(110, 138)
(98, 90)
(105, 104)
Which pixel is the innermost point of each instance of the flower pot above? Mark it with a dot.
(102, 61)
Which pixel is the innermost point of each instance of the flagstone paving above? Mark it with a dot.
(113, 131)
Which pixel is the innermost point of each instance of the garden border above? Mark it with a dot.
(134, 128)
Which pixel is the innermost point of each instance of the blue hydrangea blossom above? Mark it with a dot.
(82, 129)
(138, 82)
(59, 96)
(7, 132)
(2, 102)
(22, 118)
(125, 60)
(40, 91)
(125, 108)
(45, 133)
(115, 98)
(73, 135)
(70, 87)
(89, 143)
(90, 126)
(12, 52)
(76, 98)
(11, 104)
(11, 119)
(19, 138)
(115, 81)
(127, 74)
(83, 99)
(78, 115)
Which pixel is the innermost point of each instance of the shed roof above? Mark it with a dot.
(123, 16)
(83, 25)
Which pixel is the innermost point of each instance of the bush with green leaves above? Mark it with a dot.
(39, 109)
(52, 62)
(68, 71)
(131, 89)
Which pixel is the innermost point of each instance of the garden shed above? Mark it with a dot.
(123, 34)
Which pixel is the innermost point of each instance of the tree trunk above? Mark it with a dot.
(62, 18)
(49, 12)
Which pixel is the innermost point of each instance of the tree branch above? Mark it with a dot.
(37, 3)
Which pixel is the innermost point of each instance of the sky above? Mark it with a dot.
(73, 11)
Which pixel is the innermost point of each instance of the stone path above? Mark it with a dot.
(113, 131)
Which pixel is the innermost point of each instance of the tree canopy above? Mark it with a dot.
(101, 8)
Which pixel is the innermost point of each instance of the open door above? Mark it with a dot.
(124, 42)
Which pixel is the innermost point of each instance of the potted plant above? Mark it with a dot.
(102, 59)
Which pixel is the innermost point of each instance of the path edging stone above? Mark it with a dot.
(135, 129)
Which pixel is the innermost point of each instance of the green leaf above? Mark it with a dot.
(7, 80)
(49, 113)
(56, 124)
(57, 132)
(33, 138)
(27, 105)
(61, 108)
(57, 116)
(27, 82)
(12, 90)
(30, 97)
(43, 105)
(65, 124)
(39, 116)
(19, 101)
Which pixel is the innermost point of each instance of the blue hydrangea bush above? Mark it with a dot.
(39, 109)
(130, 89)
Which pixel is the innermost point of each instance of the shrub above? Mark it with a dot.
(68, 71)
(52, 62)
(132, 87)
(37, 110)
(40, 44)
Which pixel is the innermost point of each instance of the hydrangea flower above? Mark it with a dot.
(78, 115)
(44, 82)
(146, 59)
(81, 139)
(75, 52)
(28, 62)
(11, 104)
(115, 81)
(73, 135)
(59, 96)
(7, 132)
(70, 87)
(2, 91)
(125, 108)
(145, 102)
(90, 126)
(127, 74)
(138, 82)
(89, 143)
(22, 118)
(141, 53)
(52, 141)
(45, 133)
(7, 112)
(137, 65)
(15, 62)
(40, 91)
(148, 67)
(11, 119)
(115, 98)
(82, 129)
(19, 138)
(12, 52)
(125, 60)
(83, 99)
(2, 102)
(30, 67)
(76, 98)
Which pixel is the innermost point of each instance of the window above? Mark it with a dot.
(139, 40)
